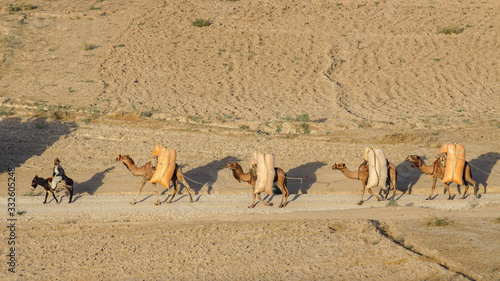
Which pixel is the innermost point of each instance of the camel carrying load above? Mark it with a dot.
(454, 155)
(166, 165)
(265, 172)
(377, 167)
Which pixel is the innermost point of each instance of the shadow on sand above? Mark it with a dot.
(92, 185)
(19, 141)
(482, 167)
(301, 178)
(207, 175)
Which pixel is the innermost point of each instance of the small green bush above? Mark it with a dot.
(392, 203)
(201, 23)
(89, 47)
(439, 222)
(450, 30)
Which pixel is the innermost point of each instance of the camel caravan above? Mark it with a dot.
(375, 171)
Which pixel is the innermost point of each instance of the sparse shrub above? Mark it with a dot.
(244, 127)
(128, 116)
(223, 118)
(302, 118)
(305, 128)
(364, 125)
(40, 125)
(89, 47)
(60, 115)
(474, 203)
(279, 129)
(400, 239)
(4, 111)
(497, 220)
(392, 203)
(95, 113)
(439, 222)
(146, 114)
(20, 213)
(17, 8)
(201, 23)
(450, 30)
(193, 118)
(92, 8)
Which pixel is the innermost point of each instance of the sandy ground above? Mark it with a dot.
(218, 238)
(312, 82)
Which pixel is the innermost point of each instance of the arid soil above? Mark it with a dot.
(312, 82)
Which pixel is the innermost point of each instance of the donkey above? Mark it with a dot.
(45, 183)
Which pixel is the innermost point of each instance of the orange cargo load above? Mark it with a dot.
(455, 162)
(166, 165)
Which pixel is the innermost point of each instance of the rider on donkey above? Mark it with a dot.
(58, 173)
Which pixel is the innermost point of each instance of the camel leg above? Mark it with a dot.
(392, 183)
(253, 201)
(157, 195)
(434, 179)
(362, 194)
(448, 189)
(181, 178)
(371, 192)
(253, 195)
(139, 191)
(394, 187)
(284, 198)
(467, 186)
(175, 191)
(263, 202)
(474, 185)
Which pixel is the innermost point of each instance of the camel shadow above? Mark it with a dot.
(482, 167)
(407, 177)
(301, 178)
(19, 140)
(205, 175)
(92, 185)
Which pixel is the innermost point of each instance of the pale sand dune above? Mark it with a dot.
(312, 82)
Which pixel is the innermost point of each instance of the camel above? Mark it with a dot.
(362, 175)
(250, 178)
(147, 171)
(45, 183)
(436, 170)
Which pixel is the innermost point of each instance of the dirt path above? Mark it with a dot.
(218, 238)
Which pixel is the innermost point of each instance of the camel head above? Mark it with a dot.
(122, 158)
(415, 159)
(338, 166)
(233, 166)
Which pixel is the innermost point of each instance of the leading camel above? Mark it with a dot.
(436, 170)
(362, 174)
(147, 171)
(250, 178)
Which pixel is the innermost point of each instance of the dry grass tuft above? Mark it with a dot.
(127, 116)
(439, 222)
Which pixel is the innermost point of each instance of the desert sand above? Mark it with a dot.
(312, 82)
